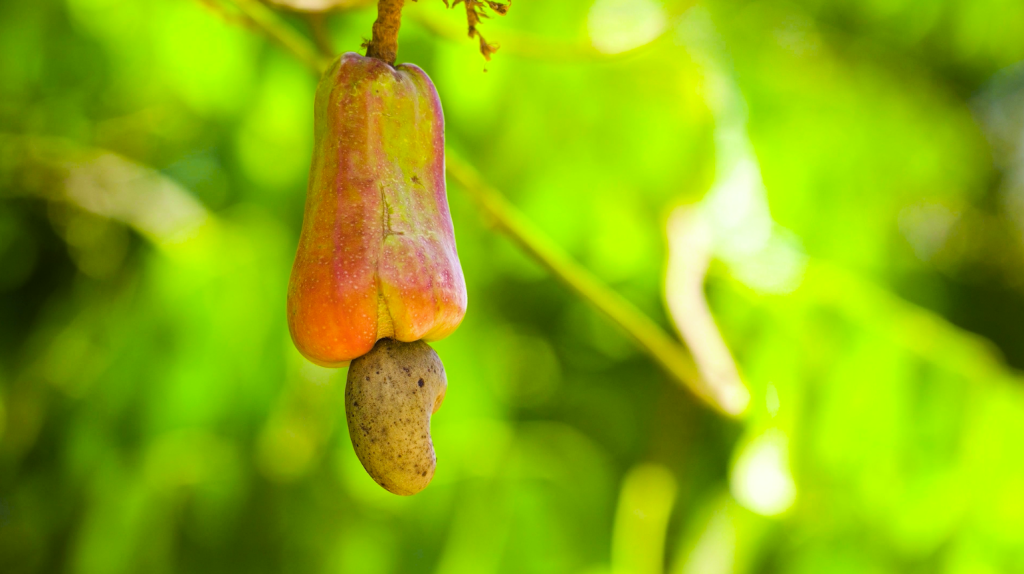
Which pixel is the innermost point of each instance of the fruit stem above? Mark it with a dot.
(384, 44)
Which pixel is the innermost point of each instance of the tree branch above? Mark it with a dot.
(267, 21)
(665, 350)
(321, 34)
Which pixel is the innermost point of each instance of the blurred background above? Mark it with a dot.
(840, 183)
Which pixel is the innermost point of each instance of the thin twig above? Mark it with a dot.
(287, 37)
(321, 34)
(690, 250)
(668, 352)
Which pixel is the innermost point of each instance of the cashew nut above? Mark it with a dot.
(390, 395)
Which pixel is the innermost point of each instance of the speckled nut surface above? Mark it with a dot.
(390, 395)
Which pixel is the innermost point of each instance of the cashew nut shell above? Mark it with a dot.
(390, 395)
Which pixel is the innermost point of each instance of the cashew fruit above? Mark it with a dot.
(376, 256)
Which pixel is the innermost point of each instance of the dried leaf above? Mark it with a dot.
(476, 11)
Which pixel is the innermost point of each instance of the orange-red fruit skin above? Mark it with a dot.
(376, 255)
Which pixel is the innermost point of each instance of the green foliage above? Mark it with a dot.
(857, 163)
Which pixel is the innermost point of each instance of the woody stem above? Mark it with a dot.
(384, 44)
